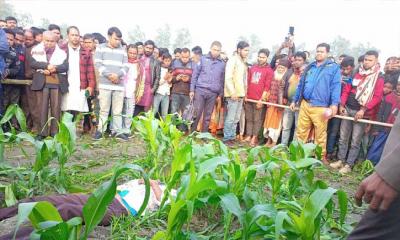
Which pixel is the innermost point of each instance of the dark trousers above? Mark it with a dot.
(11, 94)
(179, 102)
(381, 225)
(333, 134)
(253, 119)
(204, 102)
(376, 149)
(50, 96)
(68, 206)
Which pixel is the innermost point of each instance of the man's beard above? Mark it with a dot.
(148, 54)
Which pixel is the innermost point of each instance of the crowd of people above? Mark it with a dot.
(113, 81)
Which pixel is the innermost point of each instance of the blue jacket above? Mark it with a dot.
(209, 75)
(4, 48)
(320, 85)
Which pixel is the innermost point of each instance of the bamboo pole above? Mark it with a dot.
(17, 81)
(336, 116)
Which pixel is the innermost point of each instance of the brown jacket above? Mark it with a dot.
(389, 166)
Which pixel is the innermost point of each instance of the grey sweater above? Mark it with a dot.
(111, 60)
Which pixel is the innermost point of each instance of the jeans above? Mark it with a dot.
(162, 100)
(234, 110)
(333, 132)
(115, 100)
(288, 118)
(204, 101)
(127, 114)
(376, 149)
(179, 102)
(356, 131)
(253, 119)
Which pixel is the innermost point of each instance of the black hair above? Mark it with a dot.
(347, 61)
(372, 53)
(185, 50)
(166, 55)
(324, 45)
(343, 56)
(139, 44)
(361, 58)
(53, 26)
(19, 32)
(149, 42)
(11, 18)
(88, 36)
(216, 43)
(115, 30)
(177, 50)
(2, 20)
(72, 27)
(197, 50)
(99, 37)
(36, 31)
(391, 83)
(163, 51)
(9, 31)
(131, 46)
(265, 51)
(301, 54)
(242, 45)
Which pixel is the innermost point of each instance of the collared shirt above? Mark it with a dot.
(311, 79)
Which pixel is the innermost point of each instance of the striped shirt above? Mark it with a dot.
(111, 60)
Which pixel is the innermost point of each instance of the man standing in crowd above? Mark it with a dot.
(3, 23)
(111, 60)
(259, 83)
(50, 66)
(291, 81)
(359, 99)
(81, 76)
(182, 70)
(177, 53)
(140, 48)
(347, 68)
(150, 80)
(235, 90)
(4, 48)
(11, 22)
(30, 98)
(197, 52)
(318, 94)
(57, 32)
(392, 70)
(12, 92)
(207, 85)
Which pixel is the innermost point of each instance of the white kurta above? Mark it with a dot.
(74, 99)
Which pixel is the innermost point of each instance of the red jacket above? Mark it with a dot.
(372, 105)
(258, 80)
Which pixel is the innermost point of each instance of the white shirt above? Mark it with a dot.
(74, 99)
(164, 88)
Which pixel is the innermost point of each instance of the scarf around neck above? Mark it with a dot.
(366, 86)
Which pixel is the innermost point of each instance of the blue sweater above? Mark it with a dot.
(320, 85)
(4, 48)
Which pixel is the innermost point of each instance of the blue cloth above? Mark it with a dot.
(232, 117)
(376, 149)
(122, 194)
(209, 75)
(4, 48)
(333, 133)
(320, 85)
